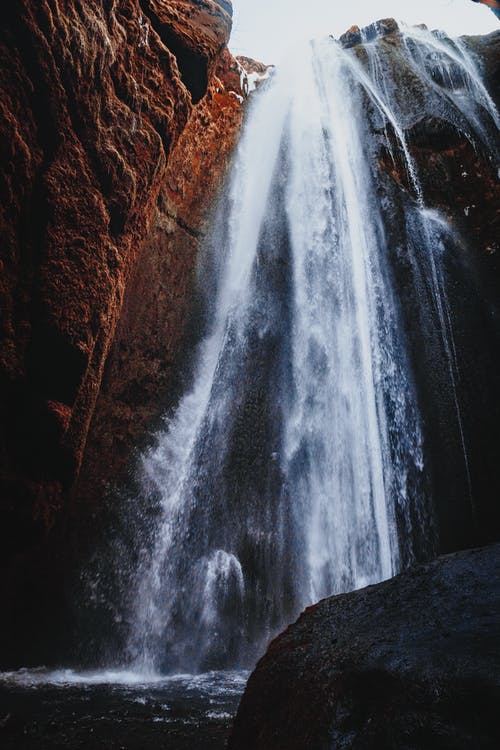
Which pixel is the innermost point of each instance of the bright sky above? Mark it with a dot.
(263, 29)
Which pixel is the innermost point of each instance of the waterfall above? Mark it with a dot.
(293, 467)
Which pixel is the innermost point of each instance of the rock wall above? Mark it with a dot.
(458, 177)
(117, 121)
(409, 663)
(159, 295)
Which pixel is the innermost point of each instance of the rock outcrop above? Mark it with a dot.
(458, 177)
(117, 121)
(409, 663)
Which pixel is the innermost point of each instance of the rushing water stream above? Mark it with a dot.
(280, 473)
(293, 467)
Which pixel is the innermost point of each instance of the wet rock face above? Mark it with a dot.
(457, 174)
(159, 296)
(458, 177)
(409, 663)
(95, 97)
(117, 120)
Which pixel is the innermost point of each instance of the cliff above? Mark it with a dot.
(412, 662)
(117, 121)
(159, 295)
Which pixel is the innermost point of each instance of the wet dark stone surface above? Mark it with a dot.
(413, 662)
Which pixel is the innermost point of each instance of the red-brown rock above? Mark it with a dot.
(157, 301)
(114, 118)
(351, 37)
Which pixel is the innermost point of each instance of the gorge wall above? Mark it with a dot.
(117, 121)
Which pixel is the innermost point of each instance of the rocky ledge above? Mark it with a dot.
(413, 662)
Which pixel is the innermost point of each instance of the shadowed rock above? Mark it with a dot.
(410, 663)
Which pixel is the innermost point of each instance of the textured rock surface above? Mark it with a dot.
(117, 121)
(459, 178)
(409, 663)
(157, 300)
(116, 124)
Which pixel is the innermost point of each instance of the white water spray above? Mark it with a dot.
(293, 466)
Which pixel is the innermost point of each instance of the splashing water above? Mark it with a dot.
(293, 466)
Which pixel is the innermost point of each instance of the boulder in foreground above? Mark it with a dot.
(413, 662)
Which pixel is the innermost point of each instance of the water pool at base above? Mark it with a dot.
(117, 710)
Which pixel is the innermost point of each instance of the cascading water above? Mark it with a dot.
(293, 466)
(453, 89)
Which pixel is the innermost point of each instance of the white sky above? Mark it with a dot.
(263, 29)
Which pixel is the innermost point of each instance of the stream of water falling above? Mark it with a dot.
(293, 466)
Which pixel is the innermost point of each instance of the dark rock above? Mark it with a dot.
(487, 51)
(413, 662)
(351, 37)
(355, 35)
(379, 28)
(458, 177)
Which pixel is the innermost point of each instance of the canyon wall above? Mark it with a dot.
(117, 122)
(460, 179)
